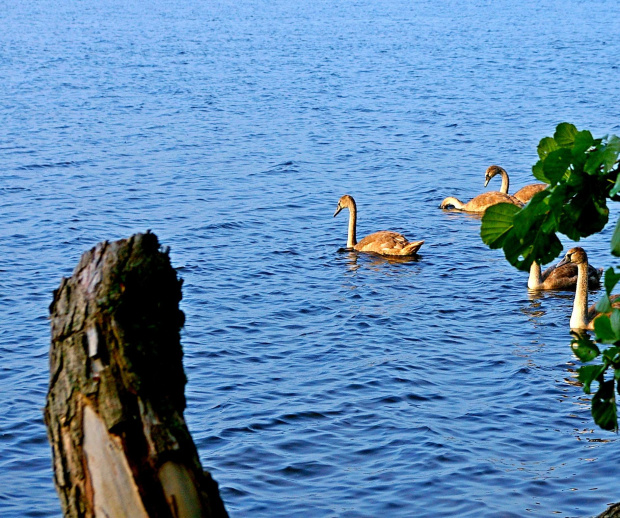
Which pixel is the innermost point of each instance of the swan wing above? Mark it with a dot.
(483, 201)
(526, 193)
(386, 242)
(564, 277)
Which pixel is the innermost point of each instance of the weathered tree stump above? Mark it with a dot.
(114, 411)
(613, 511)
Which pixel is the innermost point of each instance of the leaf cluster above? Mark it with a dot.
(582, 174)
(607, 330)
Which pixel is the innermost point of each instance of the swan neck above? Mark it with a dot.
(579, 317)
(352, 239)
(505, 181)
(451, 200)
(535, 280)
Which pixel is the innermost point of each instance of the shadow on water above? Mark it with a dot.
(535, 310)
(537, 298)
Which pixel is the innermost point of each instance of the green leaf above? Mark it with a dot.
(615, 240)
(497, 222)
(532, 236)
(593, 163)
(584, 214)
(551, 223)
(611, 279)
(611, 355)
(604, 304)
(583, 142)
(589, 373)
(616, 188)
(604, 409)
(583, 347)
(539, 172)
(546, 146)
(575, 178)
(603, 329)
(610, 155)
(615, 325)
(565, 134)
(557, 163)
(543, 247)
(602, 160)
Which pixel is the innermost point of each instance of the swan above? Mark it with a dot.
(481, 202)
(561, 277)
(582, 317)
(383, 242)
(524, 194)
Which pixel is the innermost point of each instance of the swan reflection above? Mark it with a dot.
(355, 260)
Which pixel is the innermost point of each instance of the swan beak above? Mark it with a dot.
(486, 181)
(338, 209)
(566, 260)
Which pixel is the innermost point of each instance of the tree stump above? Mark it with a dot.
(114, 411)
(613, 511)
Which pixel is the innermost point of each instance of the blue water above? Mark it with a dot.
(321, 383)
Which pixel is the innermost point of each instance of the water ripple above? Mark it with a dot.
(362, 386)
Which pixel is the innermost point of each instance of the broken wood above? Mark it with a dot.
(114, 410)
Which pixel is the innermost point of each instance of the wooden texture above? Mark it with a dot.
(116, 398)
(613, 511)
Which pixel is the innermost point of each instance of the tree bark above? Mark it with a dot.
(613, 511)
(114, 411)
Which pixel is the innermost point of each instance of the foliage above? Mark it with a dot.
(582, 174)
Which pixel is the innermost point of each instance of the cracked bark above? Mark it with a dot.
(114, 410)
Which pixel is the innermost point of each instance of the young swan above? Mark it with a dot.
(561, 277)
(383, 242)
(481, 202)
(524, 194)
(582, 317)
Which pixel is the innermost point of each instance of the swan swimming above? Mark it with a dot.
(383, 242)
(524, 194)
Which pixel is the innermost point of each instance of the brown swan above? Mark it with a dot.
(524, 194)
(383, 242)
(481, 202)
(561, 277)
(583, 317)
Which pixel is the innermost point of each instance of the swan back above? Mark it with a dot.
(386, 242)
(565, 277)
(481, 202)
(526, 193)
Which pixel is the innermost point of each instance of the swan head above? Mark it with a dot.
(491, 171)
(575, 255)
(345, 202)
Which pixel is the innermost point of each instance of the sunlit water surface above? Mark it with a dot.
(321, 383)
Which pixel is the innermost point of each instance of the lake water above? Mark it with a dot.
(321, 383)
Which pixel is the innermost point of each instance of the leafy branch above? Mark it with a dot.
(582, 174)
